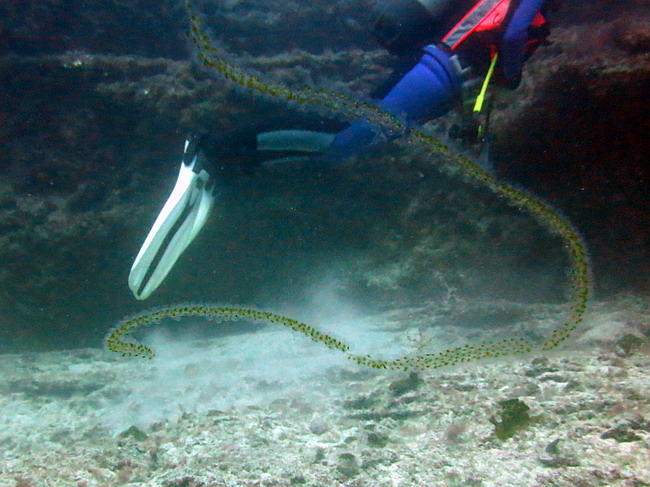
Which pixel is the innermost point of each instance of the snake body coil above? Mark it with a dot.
(341, 105)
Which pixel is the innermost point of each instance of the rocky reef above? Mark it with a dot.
(576, 134)
(194, 417)
(96, 100)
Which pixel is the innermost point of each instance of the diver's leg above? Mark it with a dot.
(427, 91)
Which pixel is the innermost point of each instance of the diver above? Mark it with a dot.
(471, 36)
(445, 48)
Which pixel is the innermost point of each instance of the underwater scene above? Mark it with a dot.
(360, 243)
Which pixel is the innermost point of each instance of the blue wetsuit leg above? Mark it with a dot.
(427, 91)
(514, 40)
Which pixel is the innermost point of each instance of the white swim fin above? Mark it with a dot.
(179, 221)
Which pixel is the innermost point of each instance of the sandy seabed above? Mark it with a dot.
(271, 409)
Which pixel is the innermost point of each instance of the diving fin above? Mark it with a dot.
(294, 141)
(179, 221)
(306, 143)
